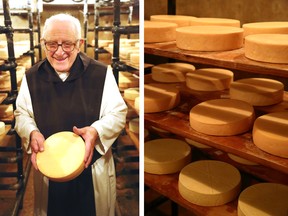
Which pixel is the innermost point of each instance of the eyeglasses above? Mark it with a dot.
(67, 46)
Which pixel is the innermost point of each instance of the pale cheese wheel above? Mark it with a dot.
(222, 117)
(207, 21)
(155, 32)
(271, 48)
(160, 130)
(265, 28)
(166, 156)
(171, 72)
(270, 133)
(134, 125)
(6, 110)
(160, 97)
(137, 103)
(209, 79)
(209, 183)
(257, 91)
(127, 80)
(264, 199)
(63, 156)
(209, 38)
(2, 127)
(240, 160)
(134, 57)
(196, 144)
(180, 20)
(131, 93)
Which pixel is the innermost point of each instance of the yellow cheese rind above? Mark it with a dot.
(270, 133)
(160, 97)
(241, 160)
(209, 79)
(209, 183)
(207, 21)
(2, 127)
(271, 48)
(63, 156)
(264, 199)
(131, 93)
(196, 144)
(134, 125)
(265, 28)
(180, 20)
(222, 117)
(156, 32)
(209, 38)
(166, 156)
(257, 91)
(171, 72)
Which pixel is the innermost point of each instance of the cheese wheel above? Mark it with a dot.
(222, 117)
(171, 72)
(209, 38)
(137, 103)
(257, 91)
(127, 80)
(160, 130)
(2, 127)
(271, 48)
(160, 97)
(155, 32)
(265, 28)
(134, 125)
(180, 20)
(196, 144)
(240, 160)
(134, 57)
(207, 21)
(166, 156)
(209, 79)
(131, 93)
(264, 199)
(209, 183)
(63, 156)
(270, 133)
(6, 110)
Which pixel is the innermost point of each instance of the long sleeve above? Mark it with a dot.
(112, 114)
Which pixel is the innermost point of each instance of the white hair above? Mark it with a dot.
(63, 17)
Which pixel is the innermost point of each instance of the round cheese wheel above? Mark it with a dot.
(209, 38)
(134, 125)
(134, 57)
(196, 144)
(209, 183)
(2, 127)
(160, 97)
(270, 133)
(264, 199)
(166, 156)
(222, 117)
(271, 48)
(207, 21)
(155, 32)
(127, 80)
(171, 72)
(160, 130)
(6, 110)
(131, 93)
(265, 28)
(180, 20)
(63, 156)
(240, 160)
(137, 103)
(209, 79)
(257, 91)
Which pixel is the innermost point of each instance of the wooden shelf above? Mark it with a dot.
(234, 59)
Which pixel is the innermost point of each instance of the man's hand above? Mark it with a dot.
(36, 144)
(89, 134)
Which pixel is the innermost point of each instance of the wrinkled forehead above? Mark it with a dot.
(60, 30)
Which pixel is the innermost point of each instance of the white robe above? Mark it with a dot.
(111, 121)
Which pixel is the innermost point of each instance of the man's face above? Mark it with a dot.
(61, 33)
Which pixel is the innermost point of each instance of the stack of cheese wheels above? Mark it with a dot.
(171, 72)
(265, 28)
(127, 80)
(134, 125)
(257, 91)
(196, 144)
(63, 156)
(2, 127)
(270, 133)
(209, 38)
(264, 199)
(209, 79)
(131, 93)
(166, 156)
(222, 117)
(271, 48)
(209, 183)
(134, 58)
(180, 20)
(240, 160)
(160, 97)
(155, 32)
(207, 21)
